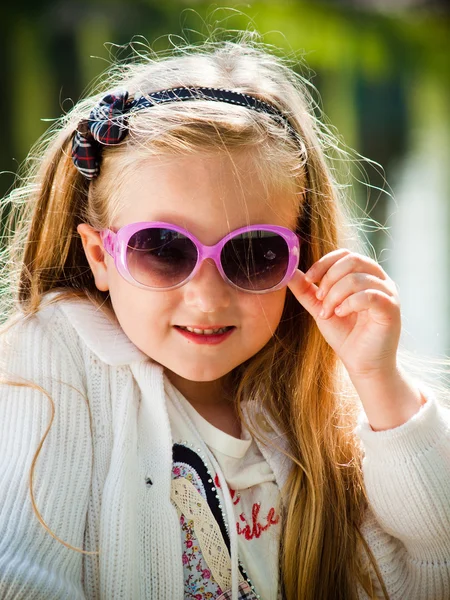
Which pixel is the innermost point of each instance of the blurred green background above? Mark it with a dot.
(382, 73)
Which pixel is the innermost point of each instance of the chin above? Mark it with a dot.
(200, 375)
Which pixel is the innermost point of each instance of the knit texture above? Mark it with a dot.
(91, 478)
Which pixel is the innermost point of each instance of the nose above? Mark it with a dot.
(207, 291)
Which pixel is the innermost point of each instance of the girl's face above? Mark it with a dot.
(204, 194)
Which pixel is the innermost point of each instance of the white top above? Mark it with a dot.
(91, 478)
(254, 491)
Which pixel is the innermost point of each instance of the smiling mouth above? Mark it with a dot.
(210, 331)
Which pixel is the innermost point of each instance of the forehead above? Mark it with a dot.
(208, 194)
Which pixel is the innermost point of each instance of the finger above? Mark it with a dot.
(321, 266)
(305, 293)
(384, 308)
(348, 285)
(349, 263)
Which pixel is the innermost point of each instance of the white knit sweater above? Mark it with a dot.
(90, 485)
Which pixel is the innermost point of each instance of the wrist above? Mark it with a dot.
(389, 399)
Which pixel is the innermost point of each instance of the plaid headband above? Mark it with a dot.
(107, 122)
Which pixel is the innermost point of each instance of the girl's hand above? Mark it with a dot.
(357, 309)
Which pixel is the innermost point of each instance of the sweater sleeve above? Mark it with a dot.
(407, 477)
(32, 563)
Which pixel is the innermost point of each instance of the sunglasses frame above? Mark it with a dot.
(116, 243)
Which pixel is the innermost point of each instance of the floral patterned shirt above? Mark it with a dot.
(198, 498)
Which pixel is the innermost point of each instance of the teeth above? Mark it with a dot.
(205, 331)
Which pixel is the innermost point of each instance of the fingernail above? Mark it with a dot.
(322, 313)
(319, 294)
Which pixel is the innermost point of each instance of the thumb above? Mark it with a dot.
(305, 292)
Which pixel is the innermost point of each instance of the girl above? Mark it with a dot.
(197, 366)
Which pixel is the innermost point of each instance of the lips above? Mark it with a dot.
(205, 330)
(204, 337)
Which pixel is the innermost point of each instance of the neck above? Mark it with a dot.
(202, 393)
(212, 400)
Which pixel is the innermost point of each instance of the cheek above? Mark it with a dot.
(139, 311)
(265, 311)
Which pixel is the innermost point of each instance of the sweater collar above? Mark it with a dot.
(99, 332)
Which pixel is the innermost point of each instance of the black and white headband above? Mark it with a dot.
(107, 122)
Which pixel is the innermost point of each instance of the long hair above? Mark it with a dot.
(296, 377)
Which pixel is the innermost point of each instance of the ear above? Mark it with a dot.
(95, 254)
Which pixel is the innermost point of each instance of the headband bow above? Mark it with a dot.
(106, 125)
(107, 122)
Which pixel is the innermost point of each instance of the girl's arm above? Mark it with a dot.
(407, 477)
(405, 433)
(33, 563)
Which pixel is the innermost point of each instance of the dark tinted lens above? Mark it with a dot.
(160, 257)
(255, 260)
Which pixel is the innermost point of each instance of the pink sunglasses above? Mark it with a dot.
(160, 256)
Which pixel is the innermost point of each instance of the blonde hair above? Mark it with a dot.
(296, 376)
